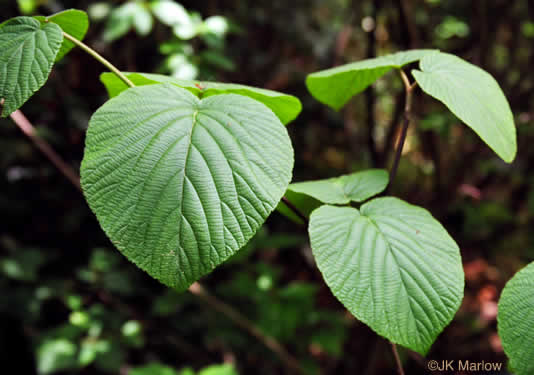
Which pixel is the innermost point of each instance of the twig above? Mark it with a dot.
(295, 210)
(99, 58)
(407, 118)
(397, 358)
(199, 291)
(196, 289)
(27, 128)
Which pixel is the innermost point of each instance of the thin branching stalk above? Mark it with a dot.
(240, 320)
(295, 210)
(29, 130)
(98, 57)
(397, 358)
(408, 87)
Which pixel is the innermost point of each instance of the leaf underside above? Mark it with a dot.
(473, 96)
(516, 321)
(27, 53)
(392, 265)
(286, 107)
(180, 184)
(336, 86)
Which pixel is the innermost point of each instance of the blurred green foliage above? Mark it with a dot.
(184, 58)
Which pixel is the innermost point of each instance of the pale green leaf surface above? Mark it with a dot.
(179, 183)
(336, 86)
(392, 265)
(72, 21)
(516, 321)
(286, 107)
(27, 53)
(473, 96)
(355, 187)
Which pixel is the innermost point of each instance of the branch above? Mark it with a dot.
(235, 316)
(397, 358)
(295, 210)
(407, 118)
(27, 128)
(196, 289)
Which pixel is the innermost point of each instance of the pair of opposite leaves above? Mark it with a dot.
(180, 184)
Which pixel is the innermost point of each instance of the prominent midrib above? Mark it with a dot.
(400, 270)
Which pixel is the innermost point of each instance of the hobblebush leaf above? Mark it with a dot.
(392, 265)
(516, 321)
(473, 96)
(286, 107)
(178, 183)
(334, 87)
(354, 187)
(27, 53)
(72, 21)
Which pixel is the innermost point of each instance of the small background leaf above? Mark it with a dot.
(392, 265)
(473, 96)
(180, 184)
(72, 21)
(27, 53)
(516, 321)
(334, 87)
(355, 187)
(286, 107)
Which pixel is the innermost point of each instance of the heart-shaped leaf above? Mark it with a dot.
(516, 321)
(286, 107)
(473, 96)
(72, 21)
(179, 183)
(355, 187)
(392, 265)
(334, 87)
(27, 53)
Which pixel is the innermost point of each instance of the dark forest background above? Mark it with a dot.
(72, 304)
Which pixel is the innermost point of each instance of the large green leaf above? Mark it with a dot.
(354, 187)
(392, 265)
(334, 87)
(286, 107)
(72, 21)
(473, 96)
(27, 53)
(179, 183)
(516, 321)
